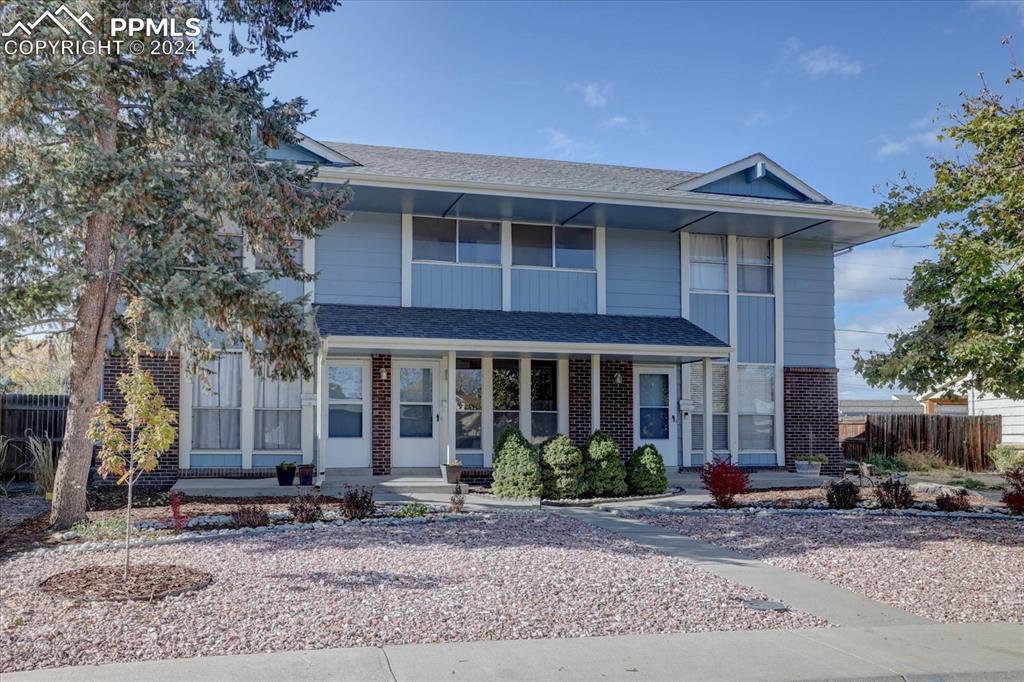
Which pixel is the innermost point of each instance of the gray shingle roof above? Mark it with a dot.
(569, 176)
(497, 325)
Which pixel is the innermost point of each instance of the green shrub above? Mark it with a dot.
(511, 433)
(516, 467)
(412, 510)
(1004, 458)
(820, 459)
(645, 471)
(883, 464)
(603, 472)
(969, 483)
(561, 468)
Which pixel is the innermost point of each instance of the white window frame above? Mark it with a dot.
(298, 410)
(481, 410)
(458, 254)
(770, 266)
(690, 260)
(554, 249)
(775, 409)
(191, 408)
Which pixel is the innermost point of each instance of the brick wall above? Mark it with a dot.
(579, 400)
(380, 420)
(812, 415)
(617, 403)
(165, 371)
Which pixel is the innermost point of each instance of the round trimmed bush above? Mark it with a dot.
(645, 471)
(603, 472)
(516, 467)
(562, 469)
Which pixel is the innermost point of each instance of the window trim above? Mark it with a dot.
(457, 261)
(480, 410)
(775, 408)
(255, 410)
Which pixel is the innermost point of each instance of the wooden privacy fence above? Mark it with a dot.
(23, 415)
(961, 441)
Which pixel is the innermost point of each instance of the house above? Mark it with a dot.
(467, 293)
(941, 401)
(1012, 412)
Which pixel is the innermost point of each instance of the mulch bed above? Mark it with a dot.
(146, 582)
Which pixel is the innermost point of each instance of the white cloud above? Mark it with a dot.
(1015, 7)
(595, 95)
(564, 146)
(824, 61)
(617, 121)
(926, 140)
(868, 275)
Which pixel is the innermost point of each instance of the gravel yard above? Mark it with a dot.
(951, 570)
(509, 576)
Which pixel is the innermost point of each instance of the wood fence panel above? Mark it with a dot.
(961, 441)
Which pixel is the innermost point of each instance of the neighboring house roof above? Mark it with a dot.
(898, 404)
(497, 325)
(549, 174)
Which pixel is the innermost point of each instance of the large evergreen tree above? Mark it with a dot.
(121, 173)
(973, 292)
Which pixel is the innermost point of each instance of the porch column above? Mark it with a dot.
(450, 416)
(321, 410)
(708, 417)
(595, 392)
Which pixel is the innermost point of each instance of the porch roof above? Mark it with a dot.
(547, 331)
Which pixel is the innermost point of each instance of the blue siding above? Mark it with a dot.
(468, 459)
(751, 459)
(768, 187)
(214, 460)
(289, 289)
(456, 286)
(293, 152)
(710, 312)
(808, 304)
(642, 272)
(360, 261)
(263, 460)
(554, 291)
(755, 327)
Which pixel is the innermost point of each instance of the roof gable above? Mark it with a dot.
(309, 151)
(754, 176)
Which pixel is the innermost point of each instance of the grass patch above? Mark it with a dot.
(883, 464)
(970, 484)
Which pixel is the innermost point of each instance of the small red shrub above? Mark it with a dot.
(1014, 497)
(180, 518)
(724, 481)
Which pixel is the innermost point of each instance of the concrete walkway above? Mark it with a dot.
(797, 591)
(977, 652)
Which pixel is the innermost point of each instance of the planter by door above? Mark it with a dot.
(808, 468)
(451, 472)
(306, 472)
(285, 475)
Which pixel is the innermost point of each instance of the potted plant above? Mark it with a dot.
(452, 471)
(285, 473)
(306, 473)
(810, 465)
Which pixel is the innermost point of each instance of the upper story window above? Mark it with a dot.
(553, 246)
(708, 263)
(754, 265)
(456, 241)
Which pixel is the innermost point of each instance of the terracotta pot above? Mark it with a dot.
(451, 473)
(306, 473)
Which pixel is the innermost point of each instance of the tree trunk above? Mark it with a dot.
(94, 315)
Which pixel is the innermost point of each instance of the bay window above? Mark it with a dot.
(756, 407)
(553, 246)
(217, 407)
(451, 240)
(278, 414)
(543, 400)
(469, 404)
(505, 385)
(708, 263)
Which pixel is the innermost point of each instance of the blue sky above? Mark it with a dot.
(842, 94)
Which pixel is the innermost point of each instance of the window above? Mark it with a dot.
(543, 400)
(278, 414)
(468, 404)
(456, 241)
(505, 385)
(547, 246)
(719, 406)
(708, 263)
(754, 265)
(264, 262)
(345, 401)
(653, 403)
(757, 407)
(416, 402)
(216, 413)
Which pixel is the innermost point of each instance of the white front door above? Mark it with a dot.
(654, 413)
(348, 414)
(416, 418)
